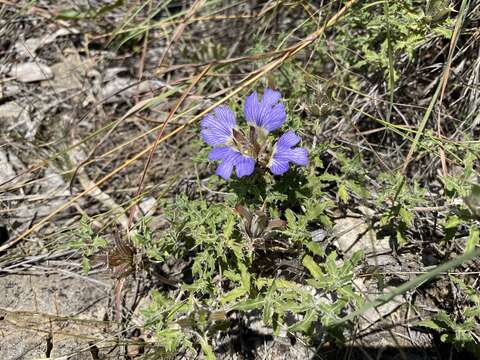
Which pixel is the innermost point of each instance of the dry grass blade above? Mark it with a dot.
(440, 90)
(445, 76)
(180, 29)
(412, 284)
(160, 133)
(288, 53)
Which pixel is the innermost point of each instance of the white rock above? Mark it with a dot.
(148, 205)
(30, 71)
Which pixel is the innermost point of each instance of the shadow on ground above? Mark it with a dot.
(442, 352)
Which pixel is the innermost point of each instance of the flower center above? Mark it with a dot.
(252, 142)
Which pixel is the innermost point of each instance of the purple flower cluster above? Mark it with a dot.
(242, 150)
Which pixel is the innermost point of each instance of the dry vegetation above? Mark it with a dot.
(108, 201)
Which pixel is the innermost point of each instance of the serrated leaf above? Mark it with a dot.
(305, 324)
(291, 218)
(357, 257)
(401, 239)
(233, 295)
(406, 216)
(444, 31)
(316, 248)
(443, 317)
(228, 227)
(276, 322)
(473, 200)
(85, 264)
(312, 266)
(357, 189)
(267, 313)
(231, 275)
(206, 348)
(168, 333)
(268, 310)
(452, 222)
(285, 284)
(244, 276)
(473, 239)
(329, 177)
(99, 242)
(250, 304)
(430, 324)
(342, 193)
(331, 264)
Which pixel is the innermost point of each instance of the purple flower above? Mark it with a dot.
(268, 114)
(240, 150)
(217, 129)
(284, 153)
(230, 158)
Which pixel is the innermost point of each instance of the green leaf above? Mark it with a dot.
(406, 216)
(357, 257)
(401, 239)
(443, 31)
(276, 324)
(233, 294)
(245, 276)
(268, 310)
(347, 292)
(228, 228)
(430, 324)
(285, 284)
(316, 248)
(267, 314)
(305, 324)
(329, 177)
(452, 222)
(312, 266)
(473, 239)
(206, 348)
(331, 263)
(473, 200)
(85, 264)
(98, 242)
(291, 218)
(70, 14)
(249, 304)
(342, 193)
(169, 333)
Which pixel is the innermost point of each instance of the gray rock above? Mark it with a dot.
(6, 169)
(14, 117)
(69, 73)
(370, 292)
(29, 47)
(352, 233)
(126, 88)
(9, 89)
